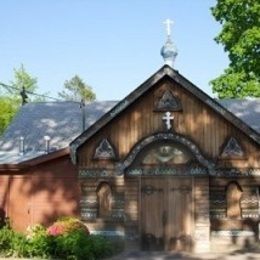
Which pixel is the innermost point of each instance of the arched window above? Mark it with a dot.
(233, 196)
(164, 153)
(104, 198)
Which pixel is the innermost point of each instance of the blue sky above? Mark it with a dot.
(113, 45)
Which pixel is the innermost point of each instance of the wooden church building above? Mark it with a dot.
(166, 168)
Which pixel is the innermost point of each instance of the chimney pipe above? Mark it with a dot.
(47, 143)
(83, 113)
(21, 145)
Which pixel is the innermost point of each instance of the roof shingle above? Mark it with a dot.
(62, 121)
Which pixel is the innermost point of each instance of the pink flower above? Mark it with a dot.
(55, 230)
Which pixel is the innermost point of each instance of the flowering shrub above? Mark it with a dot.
(66, 225)
(35, 231)
(56, 229)
(78, 245)
(67, 238)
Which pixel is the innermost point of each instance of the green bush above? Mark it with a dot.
(16, 244)
(19, 246)
(6, 240)
(66, 225)
(36, 231)
(101, 246)
(75, 244)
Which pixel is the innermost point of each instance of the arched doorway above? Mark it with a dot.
(163, 168)
(166, 201)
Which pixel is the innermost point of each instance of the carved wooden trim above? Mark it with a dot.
(170, 171)
(159, 75)
(232, 149)
(193, 171)
(95, 173)
(168, 102)
(233, 233)
(104, 151)
(235, 172)
(164, 136)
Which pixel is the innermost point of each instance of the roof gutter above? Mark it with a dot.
(36, 161)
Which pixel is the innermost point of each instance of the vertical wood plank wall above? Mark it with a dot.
(197, 122)
(202, 224)
(132, 207)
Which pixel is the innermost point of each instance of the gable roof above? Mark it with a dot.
(61, 121)
(165, 71)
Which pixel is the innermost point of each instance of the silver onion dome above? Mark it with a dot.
(169, 52)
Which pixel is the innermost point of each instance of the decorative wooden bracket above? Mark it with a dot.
(168, 102)
(232, 149)
(104, 151)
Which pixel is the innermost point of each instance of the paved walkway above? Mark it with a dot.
(237, 255)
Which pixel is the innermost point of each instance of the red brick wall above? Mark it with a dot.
(40, 194)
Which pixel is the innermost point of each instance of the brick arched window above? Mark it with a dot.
(104, 199)
(233, 196)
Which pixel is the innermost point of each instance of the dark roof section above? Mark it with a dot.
(247, 110)
(165, 71)
(62, 121)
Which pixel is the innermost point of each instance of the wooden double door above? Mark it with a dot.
(166, 213)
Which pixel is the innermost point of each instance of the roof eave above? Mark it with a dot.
(35, 161)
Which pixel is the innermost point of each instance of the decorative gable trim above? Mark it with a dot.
(104, 151)
(165, 71)
(168, 102)
(232, 149)
(122, 166)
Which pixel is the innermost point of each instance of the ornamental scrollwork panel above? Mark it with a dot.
(162, 137)
(170, 171)
(168, 102)
(245, 201)
(95, 173)
(104, 151)
(232, 149)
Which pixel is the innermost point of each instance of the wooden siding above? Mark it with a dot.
(198, 122)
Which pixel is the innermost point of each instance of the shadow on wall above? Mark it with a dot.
(238, 229)
(42, 194)
(2, 217)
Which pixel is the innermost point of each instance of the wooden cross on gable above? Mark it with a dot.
(168, 118)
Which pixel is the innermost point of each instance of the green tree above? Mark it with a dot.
(240, 36)
(23, 80)
(8, 109)
(10, 97)
(76, 89)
